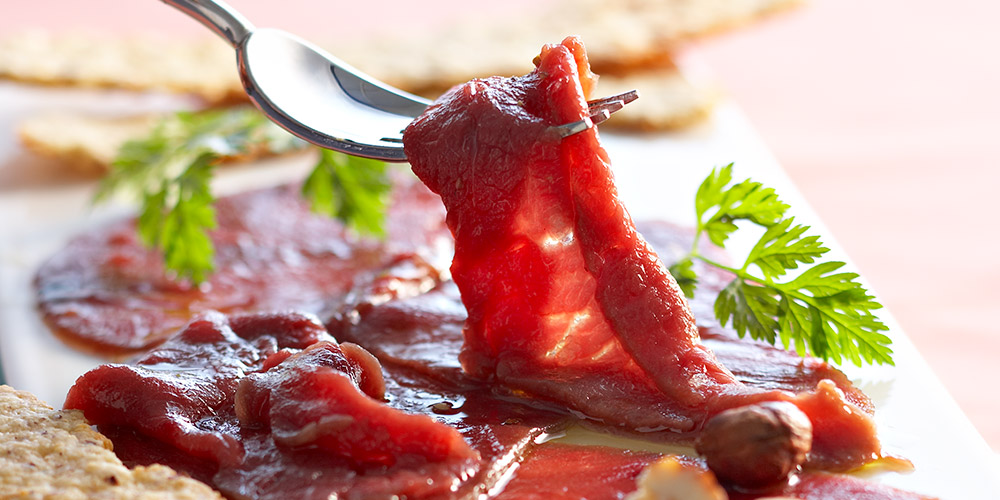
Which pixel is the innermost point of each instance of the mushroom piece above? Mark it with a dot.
(758, 445)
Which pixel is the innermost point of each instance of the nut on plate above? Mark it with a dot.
(757, 445)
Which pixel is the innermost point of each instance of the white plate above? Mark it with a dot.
(657, 176)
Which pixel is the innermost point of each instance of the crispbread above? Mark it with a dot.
(626, 39)
(90, 143)
(667, 100)
(87, 143)
(204, 67)
(55, 454)
(621, 37)
(629, 43)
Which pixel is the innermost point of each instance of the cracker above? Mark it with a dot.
(667, 100)
(626, 39)
(621, 37)
(86, 143)
(629, 42)
(204, 67)
(90, 143)
(55, 454)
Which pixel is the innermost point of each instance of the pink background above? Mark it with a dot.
(884, 113)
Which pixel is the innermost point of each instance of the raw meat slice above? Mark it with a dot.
(561, 471)
(566, 301)
(184, 392)
(331, 396)
(408, 315)
(108, 294)
(248, 403)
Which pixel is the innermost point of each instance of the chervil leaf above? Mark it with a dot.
(171, 169)
(749, 308)
(710, 192)
(718, 205)
(179, 139)
(685, 276)
(819, 311)
(352, 189)
(152, 215)
(170, 172)
(782, 247)
(184, 231)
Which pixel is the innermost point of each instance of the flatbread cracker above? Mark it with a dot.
(51, 453)
(629, 43)
(87, 143)
(90, 143)
(667, 100)
(204, 67)
(621, 36)
(626, 39)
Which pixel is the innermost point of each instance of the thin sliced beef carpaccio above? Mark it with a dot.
(566, 300)
(390, 315)
(271, 406)
(598, 473)
(408, 315)
(330, 396)
(499, 432)
(184, 392)
(108, 294)
(197, 403)
(556, 312)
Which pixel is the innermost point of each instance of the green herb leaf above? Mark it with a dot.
(718, 205)
(819, 311)
(750, 308)
(350, 188)
(184, 230)
(685, 276)
(783, 247)
(170, 172)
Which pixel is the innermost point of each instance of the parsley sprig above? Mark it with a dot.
(350, 188)
(171, 169)
(821, 310)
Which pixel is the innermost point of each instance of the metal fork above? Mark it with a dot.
(322, 99)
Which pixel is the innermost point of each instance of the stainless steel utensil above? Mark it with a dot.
(322, 99)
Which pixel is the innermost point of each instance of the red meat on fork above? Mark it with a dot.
(566, 300)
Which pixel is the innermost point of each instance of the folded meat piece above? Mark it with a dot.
(184, 392)
(270, 406)
(566, 301)
(315, 397)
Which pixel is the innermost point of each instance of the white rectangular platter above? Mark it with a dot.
(657, 176)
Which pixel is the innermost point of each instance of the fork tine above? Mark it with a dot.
(605, 111)
(600, 110)
(624, 98)
(571, 128)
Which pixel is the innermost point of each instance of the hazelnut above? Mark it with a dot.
(758, 445)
